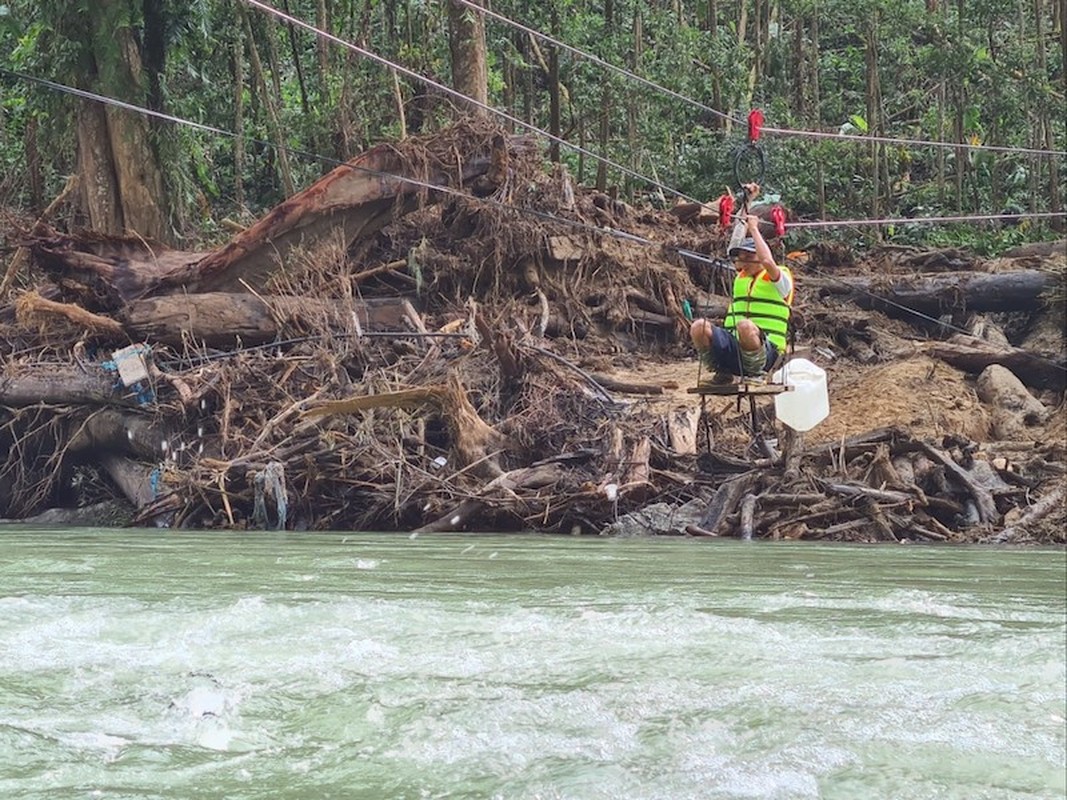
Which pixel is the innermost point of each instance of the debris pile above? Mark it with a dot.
(481, 347)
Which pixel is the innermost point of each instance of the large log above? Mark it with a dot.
(1037, 249)
(139, 483)
(114, 430)
(973, 356)
(352, 201)
(103, 272)
(933, 294)
(223, 319)
(29, 384)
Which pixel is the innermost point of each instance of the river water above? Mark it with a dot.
(147, 664)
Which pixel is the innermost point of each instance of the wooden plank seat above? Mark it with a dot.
(739, 389)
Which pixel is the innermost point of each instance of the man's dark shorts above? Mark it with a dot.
(726, 356)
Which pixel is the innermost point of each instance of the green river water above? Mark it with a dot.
(149, 664)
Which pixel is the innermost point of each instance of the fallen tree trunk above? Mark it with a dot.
(972, 355)
(471, 436)
(107, 514)
(139, 483)
(1038, 511)
(103, 272)
(351, 202)
(27, 385)
(1003, 291)
(222, 319)
(120, 431)
(1037, 249)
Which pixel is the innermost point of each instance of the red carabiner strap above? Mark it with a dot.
(726, 209)
(778, 218)
(755, 122)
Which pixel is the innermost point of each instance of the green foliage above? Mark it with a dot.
(935, 72)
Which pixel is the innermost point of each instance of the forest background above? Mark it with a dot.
(978, 74)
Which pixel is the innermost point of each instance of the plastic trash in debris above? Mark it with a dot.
(132, 363)
(270, 483)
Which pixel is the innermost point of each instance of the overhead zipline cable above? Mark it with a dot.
(723, 115)
(266, 8)
(281, 15)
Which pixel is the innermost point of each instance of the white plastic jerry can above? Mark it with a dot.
(807, 404)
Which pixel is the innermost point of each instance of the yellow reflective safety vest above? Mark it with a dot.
(757, 299)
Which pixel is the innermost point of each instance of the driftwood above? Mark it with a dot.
(120, 431)
(626, 387)
(102, 273)
(40, 227)
(1037, 249)
(30, 384)
(972, 355)
(1038, 511)
(509, 483)
(725, 501)
(221, 319)
(31, 305)
(1004, 291)
(983, 498)
(472, 437)
(349, 202)
(136, 480)
(682, 425)
(748, 515)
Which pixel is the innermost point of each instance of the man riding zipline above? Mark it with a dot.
(753, 334)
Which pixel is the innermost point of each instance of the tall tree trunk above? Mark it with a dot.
(322, 47)
(239, 122)
(816, 108)
(1044, 122)
(820, 176)
(155, 51)
(1055, 197)
(605, 105)
(553, 90)
(466, 42)
(716, 80)
(633, 112)
(961, 153)
(816, 95)
(1061, 23)
(757, 55)
(511, 77)
(123, 182)
(996, 171)
(99, 185)
(33, 166)
(942, 101)
(305, 106)
(344, 137)
(581, 152)
(799, 68)
(874, 115)
(268, 103)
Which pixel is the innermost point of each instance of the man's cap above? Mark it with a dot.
(747, 245)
